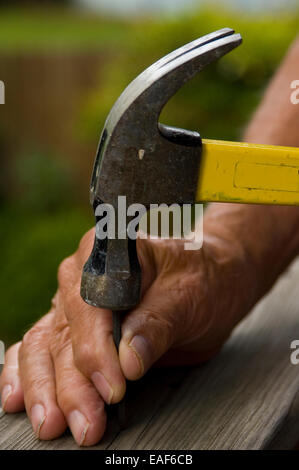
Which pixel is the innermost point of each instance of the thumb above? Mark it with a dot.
(148, 331)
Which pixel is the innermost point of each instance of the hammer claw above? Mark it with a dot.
(208, 38)
(182, 50)
(168, 74)
(169, 78)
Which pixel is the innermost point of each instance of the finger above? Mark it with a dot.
(77, 397)
(94, 351)
(12, 396)
(150, 330)
(38, 381)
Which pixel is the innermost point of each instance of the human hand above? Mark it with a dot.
(67, 365)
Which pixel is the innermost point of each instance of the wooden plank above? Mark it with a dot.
(245, 398)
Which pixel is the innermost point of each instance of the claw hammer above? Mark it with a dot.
(148, 162)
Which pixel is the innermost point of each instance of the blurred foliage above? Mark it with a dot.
(35, 244)
(219, 101)
(42, 228)
(43, 183)
(41, 225)
(50, 29)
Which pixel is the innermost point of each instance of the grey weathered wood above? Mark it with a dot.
(246, 398)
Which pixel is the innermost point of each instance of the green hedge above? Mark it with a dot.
(220, 100)
(33, 244)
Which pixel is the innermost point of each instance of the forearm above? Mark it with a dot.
(269, 235)
(275, 121)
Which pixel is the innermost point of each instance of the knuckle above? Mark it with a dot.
(72, 303)
(63, 394)
(65, 268)
(32, 336)
(37, 382)
(69, 300)
(27, 339)
(32, 340)
(60, 340)
(12, 350)
(83, 356)
(156, 321)
(66, 398)
(54, 301)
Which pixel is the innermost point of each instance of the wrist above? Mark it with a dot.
(264, 239)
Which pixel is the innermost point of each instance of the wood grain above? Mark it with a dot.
(245, 398)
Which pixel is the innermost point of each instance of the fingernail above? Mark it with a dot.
(103, 386)
(78, 425)
(38, 417)
(140, 347)
(6, 392)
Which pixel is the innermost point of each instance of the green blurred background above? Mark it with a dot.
(63, 65)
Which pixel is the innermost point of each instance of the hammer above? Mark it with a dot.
(151, 163)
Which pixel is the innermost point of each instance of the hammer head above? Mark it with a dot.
(132, 126)
(145, 161)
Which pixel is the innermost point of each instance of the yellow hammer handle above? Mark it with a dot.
(248, 173)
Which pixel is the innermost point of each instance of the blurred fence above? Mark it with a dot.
(43, 98)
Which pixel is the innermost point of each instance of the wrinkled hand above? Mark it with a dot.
(67, 365)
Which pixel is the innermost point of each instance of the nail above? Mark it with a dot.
(6, 393)
(141, 349)
(103, 386)
(38, 417)
(78, 425)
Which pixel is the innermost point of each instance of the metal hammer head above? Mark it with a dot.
(146, 162)
(132, 125)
